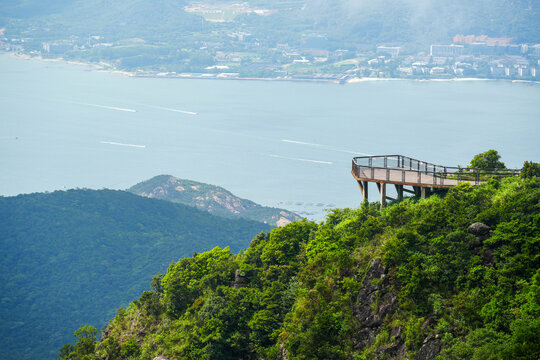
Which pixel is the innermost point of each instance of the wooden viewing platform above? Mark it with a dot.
(424, 178)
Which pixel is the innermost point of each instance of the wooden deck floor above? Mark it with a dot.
(399, 176)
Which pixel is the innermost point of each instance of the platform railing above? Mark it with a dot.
(399, 168)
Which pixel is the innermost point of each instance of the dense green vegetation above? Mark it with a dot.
(530, 169)
(487, 160)
(456, 276)
(76, 256)
(214, 199)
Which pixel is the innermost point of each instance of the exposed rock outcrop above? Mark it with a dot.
(396, 349)
(429, 350)
(479, 229)
(481, 232)
(240, 279)
(160, 357)
(374, 303)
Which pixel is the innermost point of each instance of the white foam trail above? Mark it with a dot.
(299, 159)
(175, 110)
(110, 107)
(300, 142)
(324, 146)
(350, 152)
(121, 144)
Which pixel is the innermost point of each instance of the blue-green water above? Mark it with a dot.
(277, 143)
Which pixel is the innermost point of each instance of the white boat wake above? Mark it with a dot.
(122, 144)
(175, 110)
(299, 159)
(300, 142)
(331, 148)
(109, 107)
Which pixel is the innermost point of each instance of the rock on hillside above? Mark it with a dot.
(214, 199)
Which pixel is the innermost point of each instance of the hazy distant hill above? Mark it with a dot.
(420, 21)
(296, 22)
(213, 199)
(74, 257)
(152, 20)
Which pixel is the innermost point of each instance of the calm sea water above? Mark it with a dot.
(277, 143)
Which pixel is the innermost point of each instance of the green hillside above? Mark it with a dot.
(214, 199)
(402, 21)
(76, 256)
(341, 21)
(151, 20)
(454, 277)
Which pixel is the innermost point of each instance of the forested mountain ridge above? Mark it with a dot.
(211, 198)
(453, 277)
(338, 22)
(286, 39)
(76, 256)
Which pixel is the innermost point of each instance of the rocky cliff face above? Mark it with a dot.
(213, 199)
(375, 303)
(374, 309)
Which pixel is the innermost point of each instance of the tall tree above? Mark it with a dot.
(487, 160)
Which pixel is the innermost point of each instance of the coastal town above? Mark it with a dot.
(241, 55)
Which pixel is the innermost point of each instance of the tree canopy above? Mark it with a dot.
(74, 257)
(455, 275)
(487, 160)
(530, 169)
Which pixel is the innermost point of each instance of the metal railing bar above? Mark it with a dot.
(402, 162)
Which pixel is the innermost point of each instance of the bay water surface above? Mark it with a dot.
(282, 144)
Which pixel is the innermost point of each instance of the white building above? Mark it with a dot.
(446, 50)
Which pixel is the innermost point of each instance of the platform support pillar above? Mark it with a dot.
(382, 189)
(366, 191)
(399, 191)
(423, 192)
(363, 185)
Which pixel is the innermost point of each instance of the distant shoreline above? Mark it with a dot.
(191, 76)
